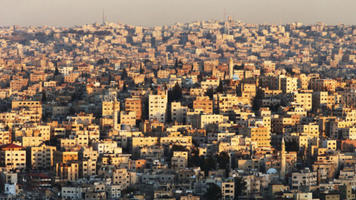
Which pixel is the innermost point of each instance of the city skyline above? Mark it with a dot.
(160, 12)
(199, 109)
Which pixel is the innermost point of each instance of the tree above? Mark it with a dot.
(100, 62)
(223, 160)
(176, 147)
(220, 88)
(44, 99)
(210, 93)
(124, 87)
(124, 74)
(56, 71)
(71, 111)
(176, 63)
(213, 192)
(257, 100)
(141, 69)
(208, 164)
(194, 160)
(176, 93)
(240, 186)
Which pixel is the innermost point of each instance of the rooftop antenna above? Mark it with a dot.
(103, 17)
(224, 14)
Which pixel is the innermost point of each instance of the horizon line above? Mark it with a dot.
(175, 23)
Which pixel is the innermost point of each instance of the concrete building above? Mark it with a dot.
(178, 112)
(288, 84)
(128, 118)
(305, 178)
(134, 104)
(203, 103)
(12, 157)
(157, 107)
(42, 157)
(228, 190)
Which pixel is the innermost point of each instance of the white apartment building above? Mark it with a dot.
(157, 107)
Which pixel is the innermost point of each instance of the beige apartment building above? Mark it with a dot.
(177, 140)
(227, 102)
(35, 106)
(311, 130)
(323, 99)
(121, 177)
(303, 100)
(323, 85)
(108, 107)
(134, 104)
(178, 112)
(157, 107)
(228, 190)
(203, 103)
(5, 137)
(13, 157)
(65, 156)
(30, 141)
(87, 168)
(144, 141)
(75, 141)
(67, 171)
(179, 159)
(212, 119)
(259, 135)
(210, 83)
(288, 84)
(128, 118)
(42, 156)
(304, 178)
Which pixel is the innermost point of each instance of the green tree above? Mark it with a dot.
(124, 74)
(213, 192)
(257, 100)
(56, 71)
(176, 93)
(194, 160)
(210, 93)
(208, 164)
(220, 88)
(44, 99)
(176, 147)
(240, 186)
(223, 160)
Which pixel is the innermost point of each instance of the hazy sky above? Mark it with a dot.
(162, 12)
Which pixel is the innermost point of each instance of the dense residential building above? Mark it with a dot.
(202, 110)
(204, 104)
(157, 107)
(134, 104)
(12, 157)
(42, 156)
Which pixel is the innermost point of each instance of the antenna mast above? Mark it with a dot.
(224, 14)
(103, 17)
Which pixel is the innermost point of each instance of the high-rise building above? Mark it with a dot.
(157, 106)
